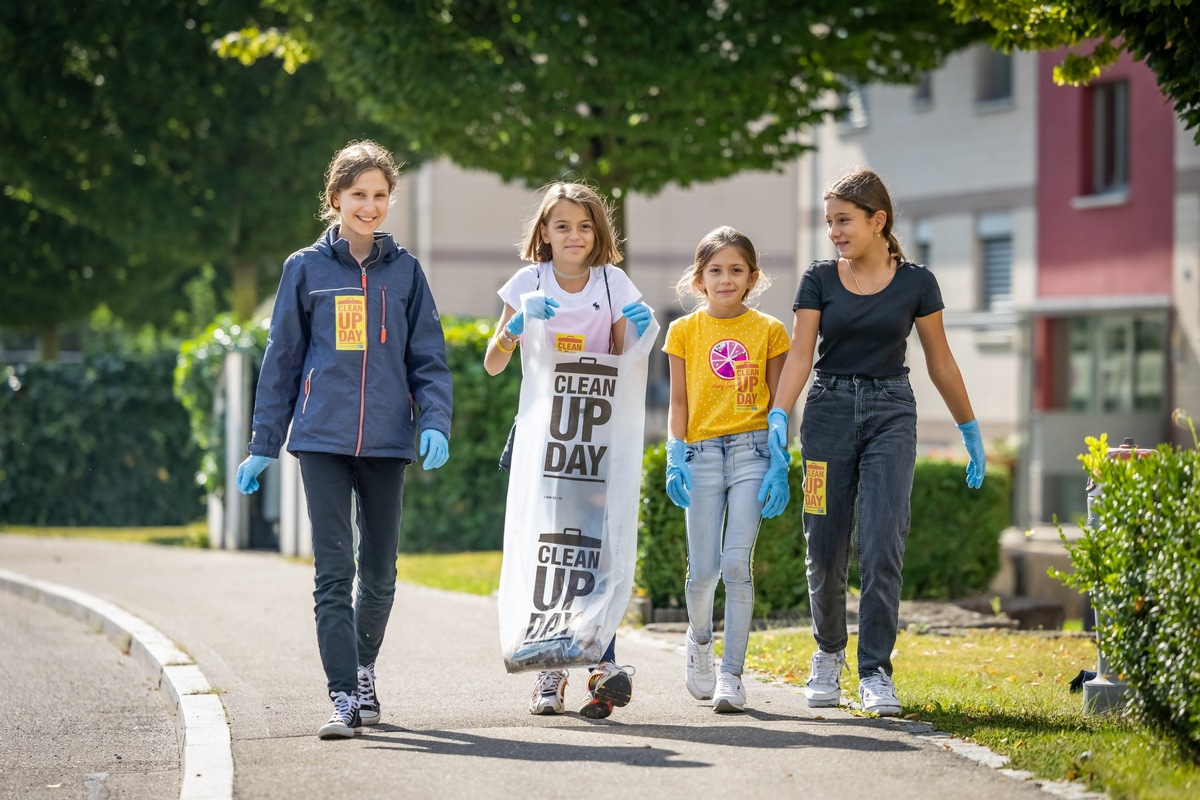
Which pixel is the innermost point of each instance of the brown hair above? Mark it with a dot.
(605, 251)
(690, 284)
(865, 189)
(351, 161)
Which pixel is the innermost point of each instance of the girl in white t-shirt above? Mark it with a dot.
(725, 363)
(586, 303)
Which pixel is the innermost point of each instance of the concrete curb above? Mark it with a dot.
(205, 749)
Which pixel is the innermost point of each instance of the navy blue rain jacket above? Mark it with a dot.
(354, 356)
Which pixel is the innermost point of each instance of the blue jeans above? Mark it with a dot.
(859, 443)
(350, 627)
(727, 473)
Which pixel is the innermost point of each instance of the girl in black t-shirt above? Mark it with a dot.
(858, 434)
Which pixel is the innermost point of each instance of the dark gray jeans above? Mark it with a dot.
(859, 443)
(350, 627)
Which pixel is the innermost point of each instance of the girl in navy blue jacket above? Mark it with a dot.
(355, 364)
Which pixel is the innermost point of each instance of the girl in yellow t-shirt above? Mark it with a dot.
(725, 363)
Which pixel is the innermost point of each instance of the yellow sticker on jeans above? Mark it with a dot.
(814, 487)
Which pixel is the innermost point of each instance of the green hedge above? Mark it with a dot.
(102, 443)
(1140, 562)
(953, 548)
(460, 507)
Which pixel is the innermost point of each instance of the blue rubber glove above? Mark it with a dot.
(974, 442)
(639, 314)
(777, 435)
(679, 474)
(248, 472)
(537, 307)
(775, 492)
(434, 443)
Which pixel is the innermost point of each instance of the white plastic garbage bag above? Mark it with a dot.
(570, 527)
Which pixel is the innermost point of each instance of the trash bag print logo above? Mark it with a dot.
(724, 356)
(581, 408)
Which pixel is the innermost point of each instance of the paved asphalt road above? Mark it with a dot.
(454, 723)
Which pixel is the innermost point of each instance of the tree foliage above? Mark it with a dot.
(633, 96)
(1165, 34)
(120, 126)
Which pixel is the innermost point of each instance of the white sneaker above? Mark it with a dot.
(548, 693)
(824, 687)
(699, 675)
(878, 694)
(368, 703)
(730, 694)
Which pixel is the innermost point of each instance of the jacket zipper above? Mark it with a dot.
(383, 323)
(362, 387)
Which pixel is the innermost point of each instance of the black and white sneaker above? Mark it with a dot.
(368, 703)
(345, 721)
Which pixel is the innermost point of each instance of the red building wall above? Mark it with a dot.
(1116, 250)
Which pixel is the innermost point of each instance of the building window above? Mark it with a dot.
(995, 256)
(923, 238)
(1110, 137)
(993, 76)
(854, 102)
(923, 92)
(1116, 364)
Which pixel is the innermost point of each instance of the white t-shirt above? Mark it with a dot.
(583, 321)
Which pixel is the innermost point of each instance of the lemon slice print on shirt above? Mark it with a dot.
(723, 356)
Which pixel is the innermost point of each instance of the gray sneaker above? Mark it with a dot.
(730, 694)
(699, 675)
(878, 694)
(824, 687)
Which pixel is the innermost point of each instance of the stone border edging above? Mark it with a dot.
(205, 748)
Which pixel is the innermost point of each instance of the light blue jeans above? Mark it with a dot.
(859, 442)
(727, 473)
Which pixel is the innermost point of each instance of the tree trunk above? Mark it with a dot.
(49, 344)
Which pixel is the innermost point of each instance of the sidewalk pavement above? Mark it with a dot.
(454, 723)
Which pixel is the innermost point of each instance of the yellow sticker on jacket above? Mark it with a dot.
(814, 487)
(351, 322)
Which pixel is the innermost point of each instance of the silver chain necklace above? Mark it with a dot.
(567, 277)
(878, 286)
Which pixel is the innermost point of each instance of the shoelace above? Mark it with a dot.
(704, 658)
(366, 685)
(344, 705)
(548, 682)
(827, 667)
(728, 683)
(878, 684)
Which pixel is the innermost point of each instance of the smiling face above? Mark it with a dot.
(362, 206)
(726, 280)
(852, 231)
(571, 235)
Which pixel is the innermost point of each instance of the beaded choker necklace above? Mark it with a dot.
(567, 277)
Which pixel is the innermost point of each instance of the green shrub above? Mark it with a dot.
(460, 507)
(953, 547)
(1140, 562)
(197, 375)
(97, 443)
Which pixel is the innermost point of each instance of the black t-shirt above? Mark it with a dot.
(866, 335)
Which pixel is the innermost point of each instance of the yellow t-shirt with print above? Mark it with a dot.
(725, 363)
